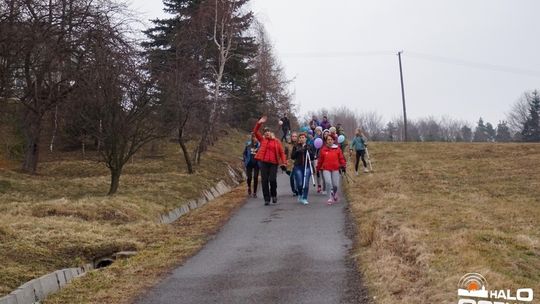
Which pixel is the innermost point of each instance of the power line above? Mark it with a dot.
(335, 54)
(423, 56)
(472, 64)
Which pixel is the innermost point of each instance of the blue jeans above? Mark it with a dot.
(299, 176)
(293, 182)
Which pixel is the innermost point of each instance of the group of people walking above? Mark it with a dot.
(316, 152)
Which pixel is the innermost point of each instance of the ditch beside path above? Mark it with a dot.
(282, 253)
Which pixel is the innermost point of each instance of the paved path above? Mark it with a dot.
(283, 253)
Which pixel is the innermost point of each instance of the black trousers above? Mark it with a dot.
(285, 133)
(360, 154)
(268, 180)
(252, 172)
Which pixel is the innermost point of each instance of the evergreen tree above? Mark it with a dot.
(480, 133)
(391, 131)
(466, 134)
(531, 127)
(503, 132)
(490, 132)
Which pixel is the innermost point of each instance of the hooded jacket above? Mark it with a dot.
(248, 156)
(270, 149)
(331, 159)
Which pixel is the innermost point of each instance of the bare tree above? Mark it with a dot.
(120, 101)
(346, 117)
(518, 114)
(372, 123)
(44, 62)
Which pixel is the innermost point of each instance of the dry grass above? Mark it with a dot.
(433, 212)
(125, 280)
(62, 217)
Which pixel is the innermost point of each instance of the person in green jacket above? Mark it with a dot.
(359, 144)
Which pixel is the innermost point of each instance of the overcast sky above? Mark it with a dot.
(462, 58)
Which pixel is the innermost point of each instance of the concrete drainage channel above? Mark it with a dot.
(38, 289)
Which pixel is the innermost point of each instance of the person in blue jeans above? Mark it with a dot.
(251, 165)
(302, 167)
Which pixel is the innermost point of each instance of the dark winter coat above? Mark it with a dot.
(249, 153)
(299, 154)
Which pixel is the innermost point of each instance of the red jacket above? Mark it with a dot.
(270, 150)
(331, 159)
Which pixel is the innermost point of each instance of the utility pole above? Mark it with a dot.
(403, 98)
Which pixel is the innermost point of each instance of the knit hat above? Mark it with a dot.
(318, 128)
(332, 129)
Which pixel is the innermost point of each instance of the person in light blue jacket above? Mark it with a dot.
(359, 144)
(251, 165)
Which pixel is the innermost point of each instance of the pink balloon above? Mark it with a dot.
(318, 143)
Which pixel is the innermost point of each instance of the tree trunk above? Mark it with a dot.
(201, 147)
(55, 130)
(33, 134)
(186, 155)
(83, 149)
(115, 181)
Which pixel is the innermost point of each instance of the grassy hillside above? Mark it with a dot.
(62, 217)
(434, 212)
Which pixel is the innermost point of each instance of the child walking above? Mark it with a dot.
(331, 161)
(302, 167)
(251, 165)
(359, 144)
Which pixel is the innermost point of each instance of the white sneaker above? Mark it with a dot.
(366, 170)
(323, 193)
(356, 173)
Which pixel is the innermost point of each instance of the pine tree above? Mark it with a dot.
(531, 127)
(466, 134)
(503, 132)
(391, 131)
(480, 133)
(490, 132)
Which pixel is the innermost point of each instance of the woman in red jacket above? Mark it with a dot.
(331, 161)
(270, 156)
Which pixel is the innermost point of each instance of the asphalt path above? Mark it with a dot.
(282, 253)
